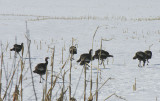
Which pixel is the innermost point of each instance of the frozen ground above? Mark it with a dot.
(129, 36)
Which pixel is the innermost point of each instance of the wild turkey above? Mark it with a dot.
(141, 56)
(101, 54)
(73, 50)
(85, 58)
(41, 68)
(17, 48)
(73, 99)
(148, 55)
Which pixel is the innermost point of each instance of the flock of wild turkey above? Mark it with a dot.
(86, 57)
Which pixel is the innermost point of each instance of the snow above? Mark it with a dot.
(130, 8)
(128, 36)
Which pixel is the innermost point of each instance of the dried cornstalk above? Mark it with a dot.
(91, 62)
(70, 73)
(43, 94)
(116, 96)
(62, 90)
(21, 76)
(97, 84)
(29, 54)
(47, 97)
(65, 63)
(61, 95)
(134, 86)
(14, 66)
(85, 82)
(103, 84)
(52, 63)
(7, 46)
(1, 73)
(71, 55)
(21, 79)
(97, 73)
(40, 45)
(16, 93)
(9, 83)
(45, 90)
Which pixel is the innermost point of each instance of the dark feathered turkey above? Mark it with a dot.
(148, 55)
(102, 55)
(141, 56)
(85, 58)
(73, 50)
(41, 68)
(17, 48)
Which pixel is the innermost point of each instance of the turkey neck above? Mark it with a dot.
(22, 45)
(46, 62)
(90, 52)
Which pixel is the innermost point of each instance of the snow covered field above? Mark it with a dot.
(117, 21)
